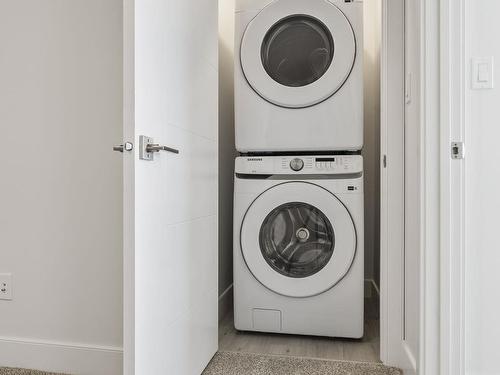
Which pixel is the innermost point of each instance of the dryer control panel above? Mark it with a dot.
(300, 165)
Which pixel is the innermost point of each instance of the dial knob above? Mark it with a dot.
(297, 164)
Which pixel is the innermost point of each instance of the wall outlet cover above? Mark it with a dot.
(6, 286)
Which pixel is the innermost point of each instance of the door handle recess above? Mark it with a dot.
(127, 146)
(148, 148)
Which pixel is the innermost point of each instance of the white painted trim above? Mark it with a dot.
(392, 220)
(63, 357)
(453, 94)
(411, 358)
(128, 188)
(430, 188)
(225, 302)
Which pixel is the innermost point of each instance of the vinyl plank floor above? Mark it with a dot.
(363, 350)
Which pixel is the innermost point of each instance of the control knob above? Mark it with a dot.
(297, 164)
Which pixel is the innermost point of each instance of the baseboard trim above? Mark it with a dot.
(225, 302)
(63, 357)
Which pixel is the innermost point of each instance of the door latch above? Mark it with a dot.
(457, 150)
(147, 148)
(127, 146)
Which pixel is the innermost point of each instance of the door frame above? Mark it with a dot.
(453, 118)
(128, 190)
(432, 213)
(392, 178)
(441, 117)
(444, 111)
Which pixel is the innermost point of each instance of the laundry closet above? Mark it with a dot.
(299, 112)
(299, 140)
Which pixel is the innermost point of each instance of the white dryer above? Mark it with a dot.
(298, 245)
(298, 75)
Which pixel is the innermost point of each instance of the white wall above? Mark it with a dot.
(371, 150)
(60, 190)
(227, 151)
(482, 197)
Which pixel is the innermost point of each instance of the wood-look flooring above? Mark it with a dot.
(366, 349)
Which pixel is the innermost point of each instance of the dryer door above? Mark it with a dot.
(298, 239)
(297, 53)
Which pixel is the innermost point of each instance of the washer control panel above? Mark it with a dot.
(312, 165)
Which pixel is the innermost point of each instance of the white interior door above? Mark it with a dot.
(170, 271)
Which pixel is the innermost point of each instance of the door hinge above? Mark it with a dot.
(457, 150)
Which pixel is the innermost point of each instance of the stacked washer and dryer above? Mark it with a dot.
(298, 195)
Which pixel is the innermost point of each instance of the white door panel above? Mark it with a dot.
(185, 98)
(185, 174)
(175, 83)
(171, 265)
(194, 331)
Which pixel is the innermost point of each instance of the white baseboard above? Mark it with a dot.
(61, 357)
(225, 302)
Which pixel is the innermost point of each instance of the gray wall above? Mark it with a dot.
(227, 151)
(371, 150)
(60, 190)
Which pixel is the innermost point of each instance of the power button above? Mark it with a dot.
(297, 164)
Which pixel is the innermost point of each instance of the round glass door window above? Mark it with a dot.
(297, 51)
(297, 240)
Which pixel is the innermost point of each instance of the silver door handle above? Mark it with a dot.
(127, 146)
(154, 147)
(147, 148)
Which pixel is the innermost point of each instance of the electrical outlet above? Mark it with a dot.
(6, 286)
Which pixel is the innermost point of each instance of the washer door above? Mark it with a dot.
(297, 53)
(298, 239)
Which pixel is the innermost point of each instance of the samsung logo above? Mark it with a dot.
(254, 159)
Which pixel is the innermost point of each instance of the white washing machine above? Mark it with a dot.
(298, 75)
(298, 245)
